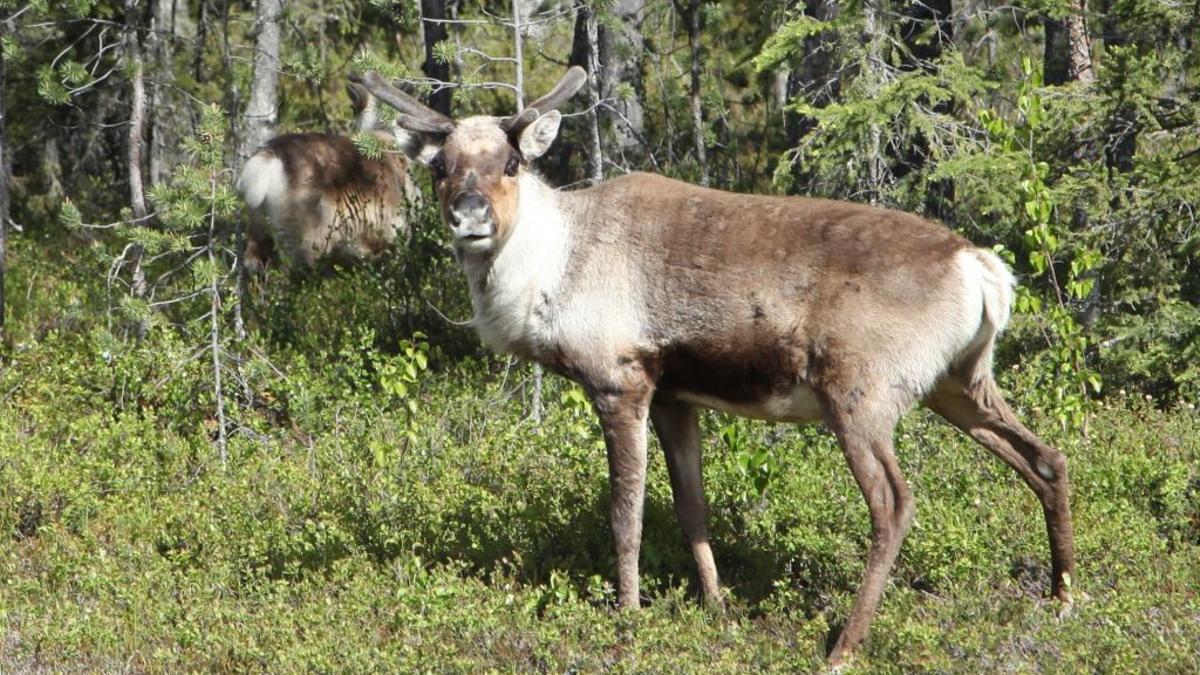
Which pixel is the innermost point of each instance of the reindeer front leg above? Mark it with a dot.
(623, 416)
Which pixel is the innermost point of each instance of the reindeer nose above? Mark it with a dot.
(470, 208)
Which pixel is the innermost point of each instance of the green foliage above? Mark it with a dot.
(787, 44)
(392, 528)
(384, 502)
(1083, 184)
(1043, 240)
(756, 463)
(370, 145)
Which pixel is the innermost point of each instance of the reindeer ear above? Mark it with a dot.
(536, 138)
(418, 146)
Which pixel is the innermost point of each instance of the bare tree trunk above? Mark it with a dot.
(586, 52)
(161, 30)
(137, 132)
(926, 30)
(519, 81)
(262, 111)
(692, 15)
(201, 39)
(137, 108)
(1067, 50)
(1123, 129)
(621, 56)
(433, 13)
(873, 34)
(519, 55)
(452, 11)
(1079, 60)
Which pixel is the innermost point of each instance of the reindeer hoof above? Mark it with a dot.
(1067, 604)
(840, 664)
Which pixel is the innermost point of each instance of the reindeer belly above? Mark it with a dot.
(761, 377)
(798, 405)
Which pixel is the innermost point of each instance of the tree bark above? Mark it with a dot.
(1079, 59)
(519, 82)
(137, 133)
(1067, 49)
(585, 52)
(200, 41)
(874, 36)
(432, 13)
(621, 58)
(262, 111)
(519, 55)
(162, 28)
(691, 14)
(137, 108)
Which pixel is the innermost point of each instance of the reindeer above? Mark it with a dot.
(660, 297)
(315, 196)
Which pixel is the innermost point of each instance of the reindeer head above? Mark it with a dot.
(477, 162)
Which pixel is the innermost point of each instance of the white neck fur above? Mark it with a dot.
(508, 286)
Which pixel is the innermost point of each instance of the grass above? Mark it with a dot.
(362, 526)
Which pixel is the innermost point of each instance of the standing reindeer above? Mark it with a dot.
(659, 297)
(316, 196)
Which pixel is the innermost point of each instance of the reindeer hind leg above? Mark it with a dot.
(981, 412)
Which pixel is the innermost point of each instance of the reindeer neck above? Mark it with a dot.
(508, 287)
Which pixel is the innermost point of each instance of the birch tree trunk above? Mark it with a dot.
(519, 55)
(135, 66)
(691, 15)
(137, 108)
(262, 111)
(519, 81)
(433, 13)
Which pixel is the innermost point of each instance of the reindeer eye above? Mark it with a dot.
(514, 164)
(438, 166)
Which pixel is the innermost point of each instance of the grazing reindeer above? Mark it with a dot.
(660, 297)
(315, 196)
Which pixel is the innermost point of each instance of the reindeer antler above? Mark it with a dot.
(567, 87)
(413, 114)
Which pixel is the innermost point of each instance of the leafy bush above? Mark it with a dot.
(375, 513)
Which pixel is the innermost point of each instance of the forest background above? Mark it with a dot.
(327, 472)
